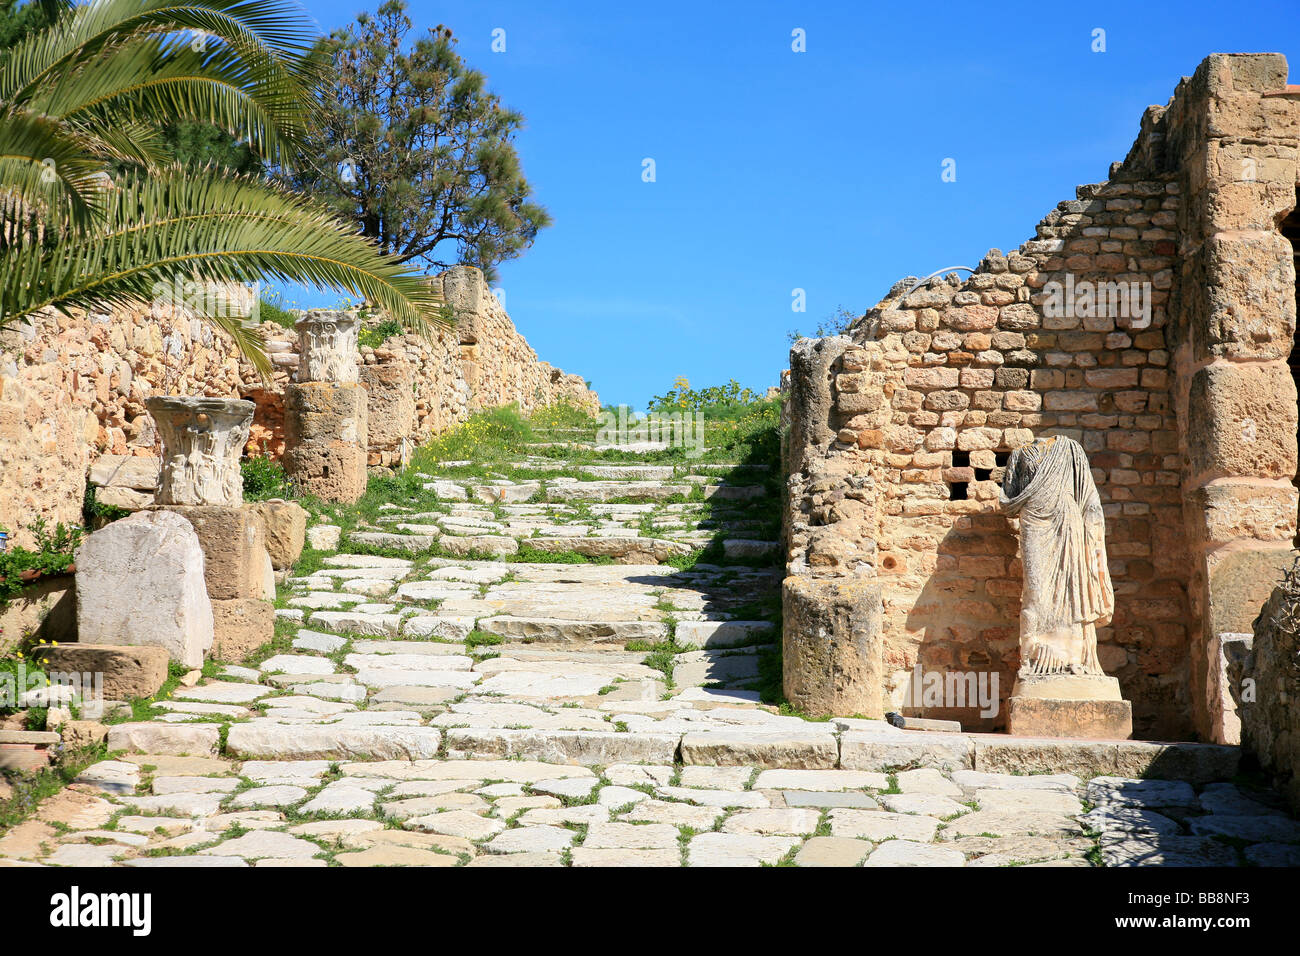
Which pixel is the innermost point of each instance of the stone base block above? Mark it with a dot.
(1053, 717)
(123, 672)
(832, 646)
(234, 548)
(26, 750)
(284, 524)
(140, 582)
(240, 626)
(326, 438)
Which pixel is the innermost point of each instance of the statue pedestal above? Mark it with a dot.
(1069, 705)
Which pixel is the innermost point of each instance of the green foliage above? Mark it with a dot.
(493, 433)
(562, 414)
(195, 144)
(264, 478)
(53, 555)
(377, 335)
(412, 147)
(75, 112)
(271, 307)
(837, 323)
(95, 514)
(714, 402)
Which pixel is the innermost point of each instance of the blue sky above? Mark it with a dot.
(778, 170)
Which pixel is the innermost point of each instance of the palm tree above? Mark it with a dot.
(94, 213)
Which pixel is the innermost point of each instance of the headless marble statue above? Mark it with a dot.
(1067, 589)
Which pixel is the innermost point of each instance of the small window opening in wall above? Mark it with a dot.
(325, 471)
(960, 459)
(983, 474)
(957, 491)
(1000, 458)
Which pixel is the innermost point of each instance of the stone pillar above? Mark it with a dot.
(326, 419)
(201, 481)
(1234, 301)
(202, 440)
(833, 646)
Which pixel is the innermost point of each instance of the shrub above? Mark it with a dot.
(272, 308)
(377, 335)
(264, 478)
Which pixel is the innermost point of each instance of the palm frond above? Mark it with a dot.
(209, 227)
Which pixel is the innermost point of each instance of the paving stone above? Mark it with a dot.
(1112, 819)
(585, 856)
(200, 862)
(773, 822)
(271, 740)
(908, 853)
(1273, 854)
(510, 771)
(248, 819)
(516, 859)
(822, 780)
(832, 851)
(585, 747)
(722, 633)
(674, 814)
(459, 823)
(620, 796)
(927, 780)
(1005, 851)
(1141, 793)
(737, 849)
(506, 807)
(152, 738)
(631, 836)
(222, 692)
(314, 641)
(1255, 828)
(1011, 823)
(531, 839)
(336, 829)
(929, 804)
(1055, 801)
(716, 778)
(627, 775)
(280, 796)
(305, 773)
(878, 825)
(583, 814)
(880, 750)
(395, 856)
(1230, 799)
(297, 664)
(420, 806)
(264, 843)
(979, 779)
(829, 799)
(184, 804)
(80, 854)
(110, 776)
(169, 785)
(573, 787)
(339, 797)
(1156, 850)
(800, 750)
(716, 798)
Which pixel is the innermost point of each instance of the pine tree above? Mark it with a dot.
(414, 148)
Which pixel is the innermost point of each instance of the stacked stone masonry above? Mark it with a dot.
(73, 389)
(1182, 399)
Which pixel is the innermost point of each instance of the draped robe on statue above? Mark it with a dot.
(1067, 589)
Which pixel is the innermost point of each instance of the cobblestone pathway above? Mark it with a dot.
(445, 711)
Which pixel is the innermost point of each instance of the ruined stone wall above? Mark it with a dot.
(897, 474)
(72, 389)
